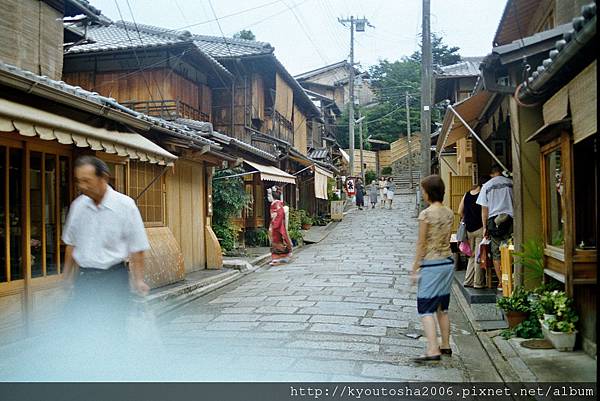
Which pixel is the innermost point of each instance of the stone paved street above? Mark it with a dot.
(338, 312)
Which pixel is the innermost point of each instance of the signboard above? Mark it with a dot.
(350, 188)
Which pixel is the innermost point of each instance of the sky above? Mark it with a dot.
(306, 34)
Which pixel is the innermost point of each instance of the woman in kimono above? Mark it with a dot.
(281, 246)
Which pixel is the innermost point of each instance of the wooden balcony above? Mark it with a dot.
(167, 109)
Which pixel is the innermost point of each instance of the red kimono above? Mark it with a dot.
(281, 246)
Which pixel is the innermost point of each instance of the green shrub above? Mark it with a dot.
(531, 258)
(529, 328)
(257, 237)
(295, 224)
(370, 176)
(386, 171)
(517, 302)
(226, 235)
(229, 199)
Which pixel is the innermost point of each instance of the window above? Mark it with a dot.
(555, 193)
(49, 174)
(152, 202)
(586, 193)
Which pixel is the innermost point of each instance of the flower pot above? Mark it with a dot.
(306, 226)
(514, 318)
(548, 317)
(562, 341)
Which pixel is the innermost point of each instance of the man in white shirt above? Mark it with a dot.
(496, 200)
(104, 228)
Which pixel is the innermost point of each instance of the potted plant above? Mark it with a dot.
(561, 331)
(305, 220)
(516, 307)
(546, 305)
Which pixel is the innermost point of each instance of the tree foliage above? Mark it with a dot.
(229, 199)
(245, 34)
(391, 81)
(441, 53)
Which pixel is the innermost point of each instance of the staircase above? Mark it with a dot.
(402, 181)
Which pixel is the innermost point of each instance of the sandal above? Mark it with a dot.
(446, 351)
(427, 358)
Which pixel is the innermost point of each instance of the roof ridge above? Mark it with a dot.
(323, 68)
(165, 33)
(231, 40)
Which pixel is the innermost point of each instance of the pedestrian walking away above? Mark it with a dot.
(104, 258)
(496, 200)
(382, 190)
(360, 194)
(433, 268)
(281, 245)
(391, 189)
(373, 192)
(470, 213)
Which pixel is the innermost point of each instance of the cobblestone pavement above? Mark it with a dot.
(338, 312)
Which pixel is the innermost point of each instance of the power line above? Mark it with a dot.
(230, 15)
(143, 49)
(135, 55)
(273, 15)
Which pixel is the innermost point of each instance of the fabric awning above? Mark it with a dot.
(470, 109)
(270, 173)
(29, 121)
(321, 176)
(345, 156)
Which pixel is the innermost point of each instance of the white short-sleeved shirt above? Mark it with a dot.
(497, 196)
(104, 235)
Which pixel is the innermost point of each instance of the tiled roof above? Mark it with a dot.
(242, 145)
(321, 70)
(467, 67)
(220, 47)
(124, 35)
(581, 33)
(94, 97)
(318, 153)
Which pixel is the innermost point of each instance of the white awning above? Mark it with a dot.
(345, 155)
(321, 176)
(270, 173)
(471, 110)
(29, 121)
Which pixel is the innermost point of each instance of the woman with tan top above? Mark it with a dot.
(433, 268)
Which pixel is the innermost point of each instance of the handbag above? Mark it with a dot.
(461, 233)
(485, 257)
(465, 248)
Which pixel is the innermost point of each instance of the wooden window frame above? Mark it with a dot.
(57, 150)
(161, 181)
(27, 146)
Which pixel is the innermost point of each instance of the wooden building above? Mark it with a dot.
(268, 109)
(166, 75)
(543, 130)
(45, 124)
(563, 91)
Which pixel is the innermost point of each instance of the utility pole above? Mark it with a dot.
(410, 161)
(360, 135)
(359, 23)
(426, 65)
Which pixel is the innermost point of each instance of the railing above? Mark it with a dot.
(167, 109)
(282, 128)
